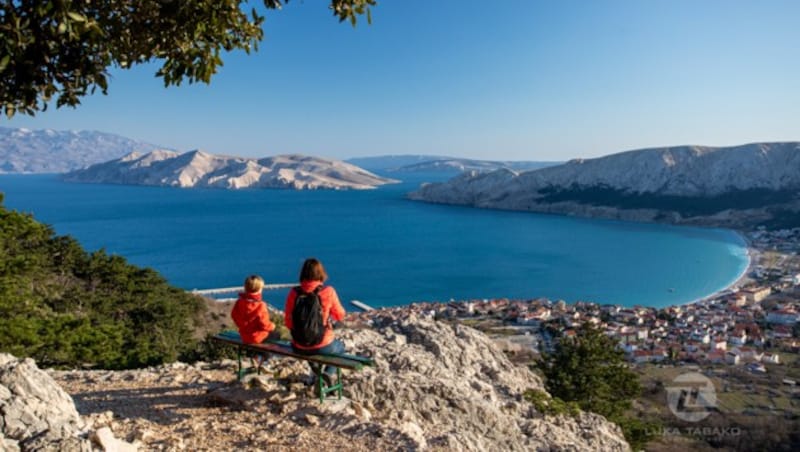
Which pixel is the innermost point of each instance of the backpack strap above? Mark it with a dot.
(299, 290)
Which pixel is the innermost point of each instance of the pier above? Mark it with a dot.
(225, 290)
(239, 289)
(361, 305)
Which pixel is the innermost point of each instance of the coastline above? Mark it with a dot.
(742, 280)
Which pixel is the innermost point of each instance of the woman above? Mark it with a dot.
(300, 299)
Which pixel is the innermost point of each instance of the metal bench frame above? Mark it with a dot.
(284, 348)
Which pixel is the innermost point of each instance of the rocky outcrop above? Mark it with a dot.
(36, 413)
(735, 186)
(203, 170)
(449, 386)
(59, 151)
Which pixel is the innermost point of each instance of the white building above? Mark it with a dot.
(701, 336)
(732, 357)
(738, 338)
(756, 294)
(719, 344)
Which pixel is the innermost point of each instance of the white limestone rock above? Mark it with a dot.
(199, 169)
(36, 413)
(449, 386)
(691, 172)
(105, 438)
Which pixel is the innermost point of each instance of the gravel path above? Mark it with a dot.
(203, 407)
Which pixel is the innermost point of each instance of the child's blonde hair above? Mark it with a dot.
(253, 284)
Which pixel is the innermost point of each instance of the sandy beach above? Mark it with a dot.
(753, 255)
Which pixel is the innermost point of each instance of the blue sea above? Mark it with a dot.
(381, 248)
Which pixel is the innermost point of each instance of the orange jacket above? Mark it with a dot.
(252, 318)
(331, 309)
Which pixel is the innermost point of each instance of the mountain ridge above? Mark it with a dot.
(455, 164)
(200, 169)
(733, 186)
(439, 163)
(29, 151)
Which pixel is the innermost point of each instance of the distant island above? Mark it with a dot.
(32, 151)
(457, 165)
(390, 162)
(740, 186)
(26, 151)
(197, 169)
(438, 163)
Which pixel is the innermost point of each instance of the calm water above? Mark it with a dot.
(379, 247)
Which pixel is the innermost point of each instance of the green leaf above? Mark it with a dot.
(67, 49)
(4, 62)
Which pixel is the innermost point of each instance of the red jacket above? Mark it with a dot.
(252, 318)
(331, 309)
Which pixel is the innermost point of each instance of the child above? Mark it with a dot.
(250, 312)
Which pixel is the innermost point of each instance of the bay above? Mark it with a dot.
(381, 248)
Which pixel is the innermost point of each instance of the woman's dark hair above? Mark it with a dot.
(313, 271)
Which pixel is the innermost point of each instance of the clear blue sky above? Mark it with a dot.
(504, 79)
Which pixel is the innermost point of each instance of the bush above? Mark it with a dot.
(63, 306)
(588, 370)
(551, 406)
(638, 432)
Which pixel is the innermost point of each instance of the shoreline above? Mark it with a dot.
(742, 280)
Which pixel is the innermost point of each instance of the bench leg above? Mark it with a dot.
(239, 363)
(337, 386)
(240, 372)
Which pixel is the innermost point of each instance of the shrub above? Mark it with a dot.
(552, 406)
(63, 306)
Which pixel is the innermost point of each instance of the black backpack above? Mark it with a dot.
(307, 326)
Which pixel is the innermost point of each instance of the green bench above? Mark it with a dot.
(284, 348)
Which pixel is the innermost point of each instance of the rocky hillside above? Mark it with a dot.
(52, 151)
(435, 386)
(731, 186)
(201, 169)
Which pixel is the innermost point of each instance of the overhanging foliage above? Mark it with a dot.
(64, 48)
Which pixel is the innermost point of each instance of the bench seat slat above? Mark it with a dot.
(361, 359)
(284, 348)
